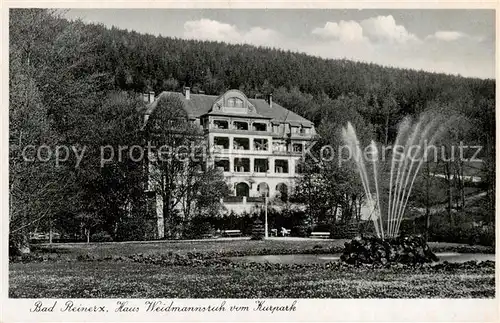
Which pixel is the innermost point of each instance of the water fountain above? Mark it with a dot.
(408, 155)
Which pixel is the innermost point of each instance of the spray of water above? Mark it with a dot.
(349, 135)
(408, 155)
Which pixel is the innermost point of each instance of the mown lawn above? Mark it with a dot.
(110, 279)
(246, 247)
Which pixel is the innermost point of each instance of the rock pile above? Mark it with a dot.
(373, 250)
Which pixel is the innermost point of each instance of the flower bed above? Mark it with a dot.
(203, 260)
(373, 250)
(143, 279)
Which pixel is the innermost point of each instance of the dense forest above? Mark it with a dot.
(72, 82)
(301, 82)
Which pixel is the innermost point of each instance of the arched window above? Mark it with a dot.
(242, 189)
(263, 189)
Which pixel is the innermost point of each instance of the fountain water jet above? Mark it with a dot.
(402, 165)
(351, 139)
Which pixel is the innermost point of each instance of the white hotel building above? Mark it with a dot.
(256, 142)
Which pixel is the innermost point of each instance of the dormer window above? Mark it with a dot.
(235, 102)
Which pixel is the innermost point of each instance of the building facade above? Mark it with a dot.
(255, 142)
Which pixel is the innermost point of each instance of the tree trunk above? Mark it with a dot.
(447, 167)
(50, 229)
(427, 203)
(87, 233)
(462, 184)
(386, 129)
(23, 244)
(167, 211)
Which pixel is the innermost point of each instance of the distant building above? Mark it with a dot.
(257, 143)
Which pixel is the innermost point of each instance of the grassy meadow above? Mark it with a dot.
(144, 270)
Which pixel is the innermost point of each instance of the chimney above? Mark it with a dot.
(270, 100)
(187, 92)
(151, 96)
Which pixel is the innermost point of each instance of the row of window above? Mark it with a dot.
(259, 144)
(239, 125)
(259, 126)
(260, 165)
(243, 189)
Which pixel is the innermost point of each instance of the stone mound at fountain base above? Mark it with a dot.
(373, 250)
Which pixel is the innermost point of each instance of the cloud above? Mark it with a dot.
(345, 31)
(387, 43)
(378, 29)
(446, 35)
(377, 39)
(206, 29)
(258, 35)
(384, 28)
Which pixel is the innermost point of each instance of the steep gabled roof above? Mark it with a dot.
(200, 104)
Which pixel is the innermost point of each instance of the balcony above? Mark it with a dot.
(243, 199)
(261, 165)
(297, 148)
(255, 199)
(222, 165)
(240, 125)
(257, 126)
(260, 144)
(220, 124)
(241, 165)
(221, 143)
(241, 144)
(233, 199)
(286, 152)
(281, 149)
(281, 166)
(302, 134)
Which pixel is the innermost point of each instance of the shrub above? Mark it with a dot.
(366, 228)
(350, 230)
(132, 229)
(462, 233)
(101, 236)
(244, 222)
(301, 231)
(198, 228)
(487, 236)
